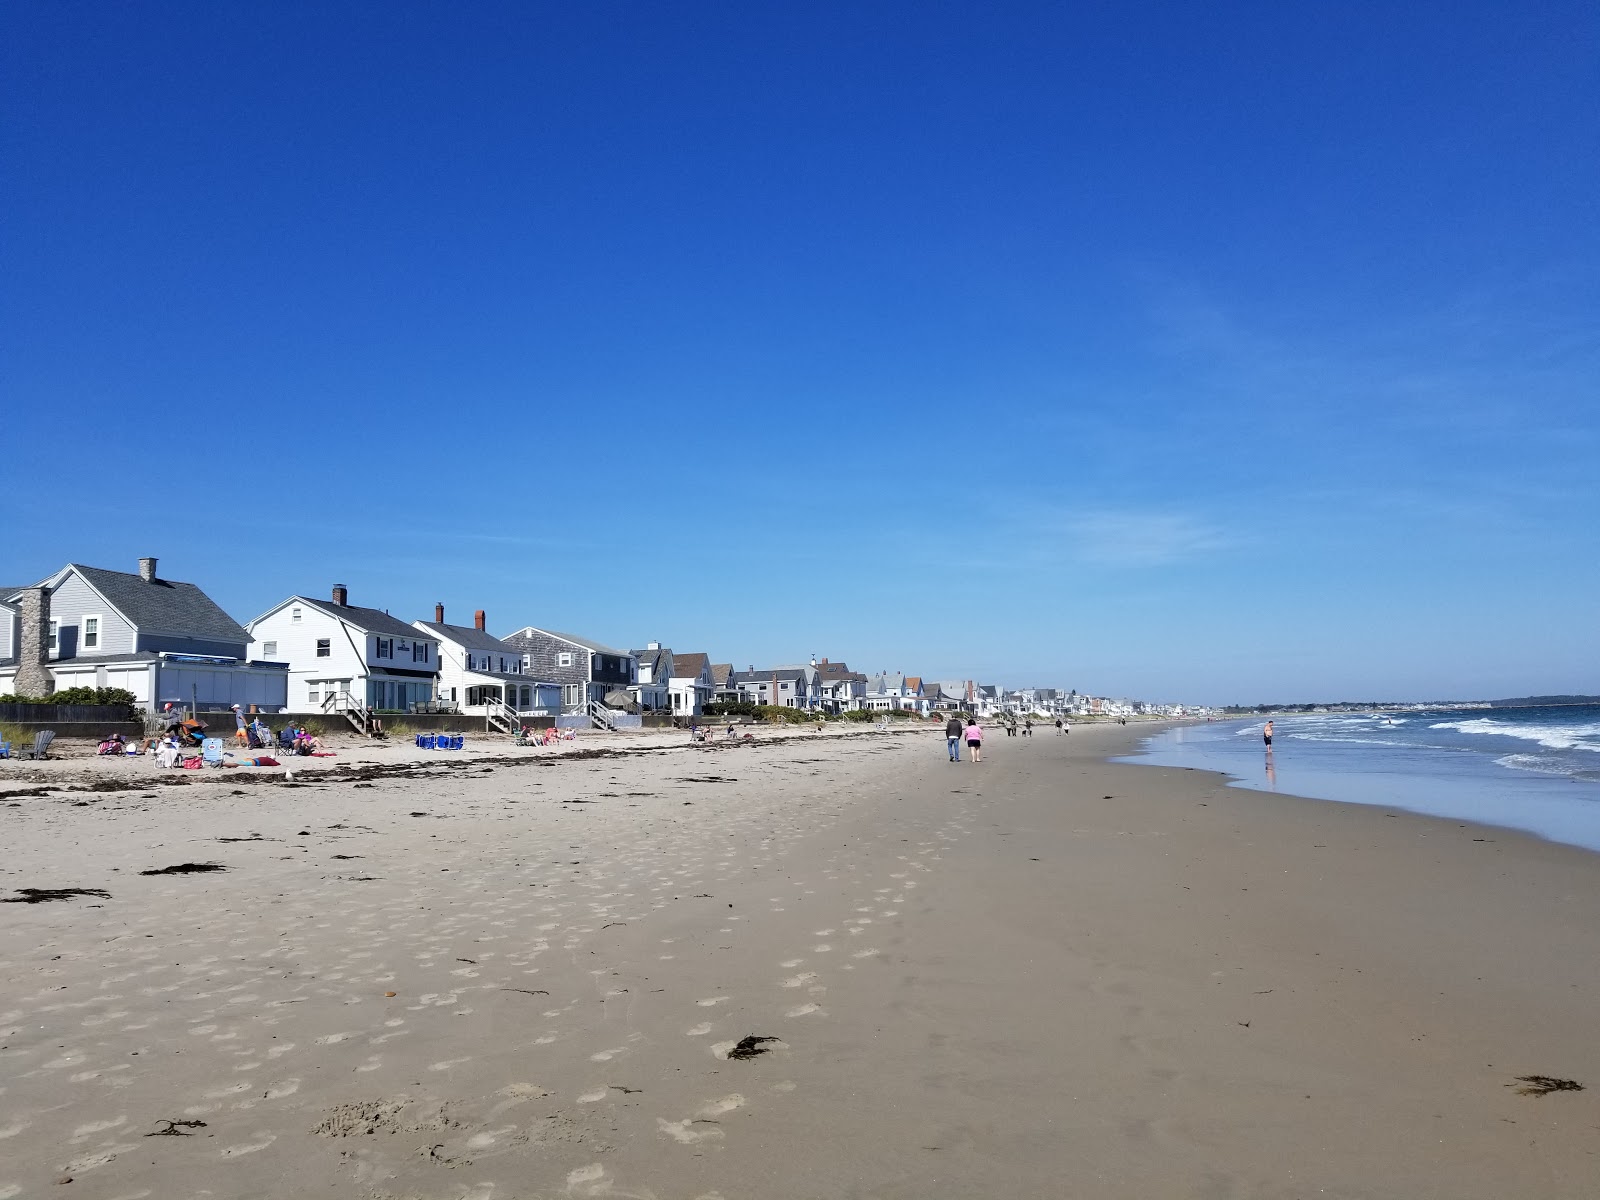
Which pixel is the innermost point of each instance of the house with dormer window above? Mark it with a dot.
(347, 659)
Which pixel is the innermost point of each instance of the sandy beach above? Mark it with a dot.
(516, 974)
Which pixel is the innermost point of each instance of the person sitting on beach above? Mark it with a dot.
(112, 745)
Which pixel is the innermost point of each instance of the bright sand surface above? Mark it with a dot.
(1042, 975)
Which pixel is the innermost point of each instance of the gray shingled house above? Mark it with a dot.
(161, 639)
(587, 671)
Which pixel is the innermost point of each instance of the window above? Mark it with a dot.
(270, 649)
(564, 659)
(383, 648)
(452, 693)
(91, 633)
(294, 616)
(55, 627)
(419, 652)
(502, 665)
(314, 696)
(324, 648)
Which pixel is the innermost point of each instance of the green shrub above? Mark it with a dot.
(117, 697)
(730, 708)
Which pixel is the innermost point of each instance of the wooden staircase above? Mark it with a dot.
(501, 717)
(351, 709)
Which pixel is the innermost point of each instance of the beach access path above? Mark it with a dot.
(500, 977)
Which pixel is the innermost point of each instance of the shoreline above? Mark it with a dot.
(1044, 974)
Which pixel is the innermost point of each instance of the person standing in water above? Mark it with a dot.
(974, 736)
(1266, 735)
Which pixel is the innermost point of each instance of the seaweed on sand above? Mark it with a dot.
(186, 869)
(45, 895)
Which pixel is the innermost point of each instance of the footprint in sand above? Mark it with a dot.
(821, 948)
(803, 1010)
(716, 1108)
(712, 1001)
(791, 964)
(799, 980)
(592, 1097)
(699, 1030)
(685, 1133)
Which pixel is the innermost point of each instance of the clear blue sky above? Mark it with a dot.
(1199, 352)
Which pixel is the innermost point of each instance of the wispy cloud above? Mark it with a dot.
(1145, 539)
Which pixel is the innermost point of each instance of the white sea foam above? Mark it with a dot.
(1555, 737)
(1534, 762)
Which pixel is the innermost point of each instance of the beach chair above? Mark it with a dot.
(41, 744)
(425, 741)
(211, 752)
(5, 749)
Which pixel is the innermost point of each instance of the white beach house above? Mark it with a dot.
(347, 659)
(483, 676)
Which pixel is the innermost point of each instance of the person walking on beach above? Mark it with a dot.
(952, 737)
(1266, 735)
(974, 735)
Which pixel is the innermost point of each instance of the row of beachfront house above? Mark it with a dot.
(167, 642)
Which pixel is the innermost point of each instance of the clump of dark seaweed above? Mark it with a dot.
(1543, 1085)
(45, 895)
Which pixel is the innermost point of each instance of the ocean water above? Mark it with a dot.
(1535, 769)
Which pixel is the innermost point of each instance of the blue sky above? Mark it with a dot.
(1176, 351)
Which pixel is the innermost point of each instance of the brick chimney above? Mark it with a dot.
(341, 595)
(478, 620)
(438, 614)
(147, 570)
(33, 645)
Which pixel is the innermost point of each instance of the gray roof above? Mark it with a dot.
(597, 647)
(471, 637)
(373, 620)
(651, 658)
(163, 605)
(6, 592)
(769, 673)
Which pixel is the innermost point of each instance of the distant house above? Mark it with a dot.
(484, 676)
(587, 671)
(347, 659)
(957, 695)
(160, 639)
(690, 684)
(841, 689)
(723, 689)
(887, 693)
(652, 691)
(781, 687)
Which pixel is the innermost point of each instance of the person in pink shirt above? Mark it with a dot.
(974, 736)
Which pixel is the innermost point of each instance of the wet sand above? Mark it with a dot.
(1042, 975)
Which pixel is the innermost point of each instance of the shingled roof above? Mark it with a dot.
(163, 605)
(373, 620)
(689, 666)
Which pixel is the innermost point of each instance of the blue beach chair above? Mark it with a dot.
(211, 752)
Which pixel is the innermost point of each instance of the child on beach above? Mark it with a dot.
(974, 735)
